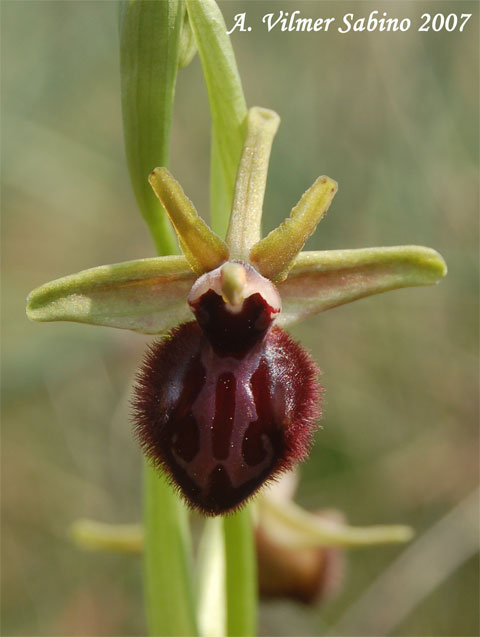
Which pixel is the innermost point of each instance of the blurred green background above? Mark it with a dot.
(393, 118)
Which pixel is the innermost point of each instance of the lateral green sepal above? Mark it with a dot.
(296, 528)
(100, 536)
(147, 296)
(320, 281)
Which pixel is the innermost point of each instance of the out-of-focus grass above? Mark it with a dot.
(393, 118)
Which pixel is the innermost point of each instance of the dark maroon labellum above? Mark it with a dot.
(224, 409)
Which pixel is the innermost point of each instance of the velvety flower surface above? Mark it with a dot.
(226, 399)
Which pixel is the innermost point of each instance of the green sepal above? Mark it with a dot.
(274, 255)
(244, 229)
(100, 536)
(147, 296)
(320, 281)
(295, 528)
(203, 249)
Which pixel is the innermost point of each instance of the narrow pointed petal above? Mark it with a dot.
(274, 255)
(245, 220)
(203, 249)
(148, 296)
(320, 281)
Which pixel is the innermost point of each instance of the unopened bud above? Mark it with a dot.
(305, 574)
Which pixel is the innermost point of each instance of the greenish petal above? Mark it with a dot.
(148, 296)
(274, 255)
(320, 281)
(203, 249)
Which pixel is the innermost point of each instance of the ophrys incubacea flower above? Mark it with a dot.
(226, 399)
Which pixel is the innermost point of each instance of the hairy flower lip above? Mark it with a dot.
(263, 429)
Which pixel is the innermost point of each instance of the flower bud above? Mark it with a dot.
(305, 574)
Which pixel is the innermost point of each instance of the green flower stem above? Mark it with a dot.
(244, 229)
(227, 105)
(241, 576)
(210, 581)
(169, 591)
(149, 56)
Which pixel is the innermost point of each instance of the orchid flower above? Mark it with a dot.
(226, 399)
